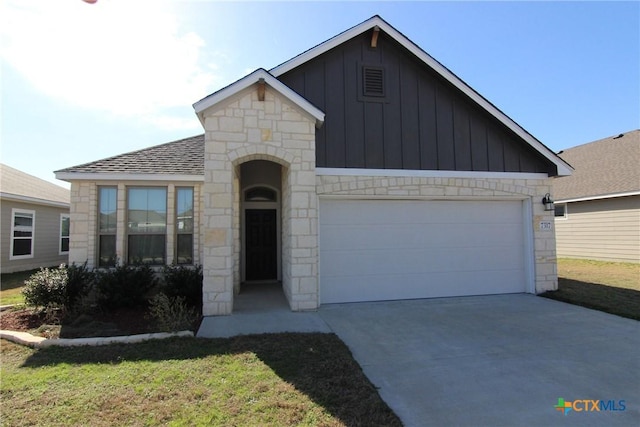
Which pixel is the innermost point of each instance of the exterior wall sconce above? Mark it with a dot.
(547, 201)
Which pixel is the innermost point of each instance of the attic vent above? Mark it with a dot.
(373, 81)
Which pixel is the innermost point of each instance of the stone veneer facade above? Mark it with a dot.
(243, 129)
(83, 233)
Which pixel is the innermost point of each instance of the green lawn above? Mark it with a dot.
(278, 380)
(612, 287)
(11, 287)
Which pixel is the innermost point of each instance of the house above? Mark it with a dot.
(360, 170)
(35, 222)
(598, 207)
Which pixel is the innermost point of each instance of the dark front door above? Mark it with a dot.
(261, 244)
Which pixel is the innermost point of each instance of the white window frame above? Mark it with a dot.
(62, 217)
(566, 212)
(15, 211)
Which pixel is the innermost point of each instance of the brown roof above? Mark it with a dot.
(17, 183)
(604, 167)
(182, 157)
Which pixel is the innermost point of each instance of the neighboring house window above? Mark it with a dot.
(22, 233)
(147, 225)
(64, 234)
(107, 202)
(184, 225)
(561, 210)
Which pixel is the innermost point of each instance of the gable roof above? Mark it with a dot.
(20, 186)
(377, 22)
(259, 75)
(605, 168)
(181, 160)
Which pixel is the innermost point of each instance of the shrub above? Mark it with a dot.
(79, 282)
(172, 313)
(125, 286)
(184, 281)
(46, 288)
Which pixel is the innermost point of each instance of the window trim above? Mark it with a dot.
(60, 251)
(566, 211)
(15, 211)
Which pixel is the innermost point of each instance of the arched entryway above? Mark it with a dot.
(260, 222)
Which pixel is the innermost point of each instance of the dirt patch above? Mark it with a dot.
(115, 323)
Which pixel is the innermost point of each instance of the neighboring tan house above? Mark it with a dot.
(598, 207)
(35, 222)
(360, 170)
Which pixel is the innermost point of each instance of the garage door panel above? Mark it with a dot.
(421, 261)
(414, 286)
(373, 212)
(393, 249)
(416, 235)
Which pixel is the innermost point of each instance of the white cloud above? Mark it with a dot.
(132, 59)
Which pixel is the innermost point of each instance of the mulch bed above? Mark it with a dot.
(115, 323)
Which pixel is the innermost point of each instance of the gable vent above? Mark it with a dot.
(373, 81)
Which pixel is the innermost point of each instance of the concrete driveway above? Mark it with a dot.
(494, 360)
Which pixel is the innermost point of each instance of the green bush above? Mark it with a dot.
(172, 313)
(184, 281)
(79, 282)
(58, 288)
(125, 286)
(46, 288)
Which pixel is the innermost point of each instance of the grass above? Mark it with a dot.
(617, 274)
(283, 379)
(11, 287)
(612, 287)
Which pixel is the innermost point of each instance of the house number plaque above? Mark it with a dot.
(545, 226)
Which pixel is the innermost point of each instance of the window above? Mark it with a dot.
(260, 194)
(147, 225)
(184, 225)
(107, 203)
(22, 233)
(64, 234)
(561, 210)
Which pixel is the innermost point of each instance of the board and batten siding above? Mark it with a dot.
(607, 229)
(46, 245)
(421, 123)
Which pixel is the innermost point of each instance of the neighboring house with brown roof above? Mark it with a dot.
(360, 170)
(598, 206)
(35, 222)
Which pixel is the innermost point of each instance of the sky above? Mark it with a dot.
(80, 82)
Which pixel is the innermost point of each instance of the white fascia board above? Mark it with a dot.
(251, 79)
(411, 173)
(33, 200)
(564, 169)
(604, 196)
(79, 176)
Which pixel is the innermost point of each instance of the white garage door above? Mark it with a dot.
(372, 250)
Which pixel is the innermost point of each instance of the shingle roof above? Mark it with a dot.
(604, 167)
(181, 157)
(17, 183)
